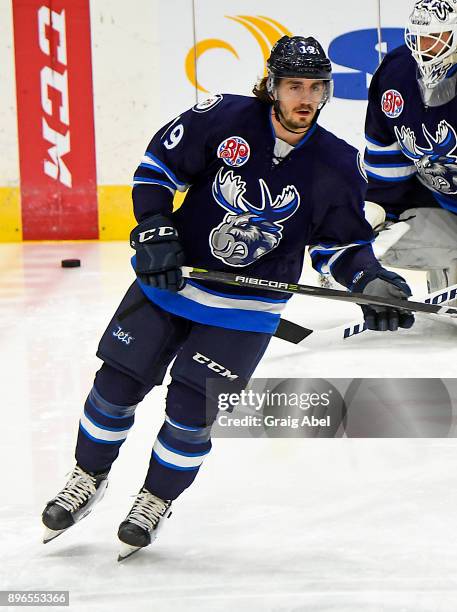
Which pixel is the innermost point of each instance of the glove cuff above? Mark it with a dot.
(364, 277)
(157, 228)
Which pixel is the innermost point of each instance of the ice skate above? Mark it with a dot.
(75, 501)
(142, 523)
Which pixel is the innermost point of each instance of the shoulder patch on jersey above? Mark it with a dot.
(234, 151)
(392, 103)
(361, 166)
(208, 104)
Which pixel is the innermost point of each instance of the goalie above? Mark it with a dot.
(410, 157)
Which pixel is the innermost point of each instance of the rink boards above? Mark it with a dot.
(87, 83)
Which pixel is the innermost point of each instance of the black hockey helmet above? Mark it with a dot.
(298, 56)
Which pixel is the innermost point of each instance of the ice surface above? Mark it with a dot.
(318, 525)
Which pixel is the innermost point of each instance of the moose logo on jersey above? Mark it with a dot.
(234, 151)
(248, 232)
(439, 8)
(436, 166)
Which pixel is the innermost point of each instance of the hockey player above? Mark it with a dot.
(263, 180)
(411, 158)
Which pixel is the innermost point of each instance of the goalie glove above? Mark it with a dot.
(159, 255)
(384, 284)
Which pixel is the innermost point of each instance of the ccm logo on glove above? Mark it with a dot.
(159, 254)
(155, 232)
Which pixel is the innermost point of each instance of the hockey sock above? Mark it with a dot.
(103, 428)
(177, 455)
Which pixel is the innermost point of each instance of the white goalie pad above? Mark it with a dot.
(429, 242)
(374, 214)
(424, 239)
(389, 234)
(440, 279)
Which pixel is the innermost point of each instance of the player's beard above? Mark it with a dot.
(292, 120)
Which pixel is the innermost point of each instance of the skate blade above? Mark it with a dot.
(51, 534)
(127, 551)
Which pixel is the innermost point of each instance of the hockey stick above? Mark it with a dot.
(302, 336)
(299, 335)
(237, 280)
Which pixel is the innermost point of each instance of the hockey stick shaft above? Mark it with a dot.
(299, 335)
(228, 278)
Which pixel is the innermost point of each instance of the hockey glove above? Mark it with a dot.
(159, 255)
(384, 284)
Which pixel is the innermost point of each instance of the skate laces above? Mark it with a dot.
(77, 490)
(147, 510)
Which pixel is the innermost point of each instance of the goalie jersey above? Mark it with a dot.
(410, 156)
(253, 203)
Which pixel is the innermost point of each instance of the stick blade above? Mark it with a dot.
(291, 332)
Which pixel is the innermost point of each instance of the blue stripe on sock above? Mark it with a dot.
(186, 427)
(87, 434)
(179, 452)
(114, 411)
(173, 467)
(115, 429)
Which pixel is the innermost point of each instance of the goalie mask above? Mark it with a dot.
(431, 36)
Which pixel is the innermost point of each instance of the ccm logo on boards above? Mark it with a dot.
(51, 23)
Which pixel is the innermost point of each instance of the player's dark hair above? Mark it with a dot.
(261, 92)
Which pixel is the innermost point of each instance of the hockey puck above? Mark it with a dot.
(70, 263)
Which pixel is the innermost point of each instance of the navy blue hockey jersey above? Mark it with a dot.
(248, 211)
(410, 157)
